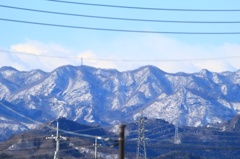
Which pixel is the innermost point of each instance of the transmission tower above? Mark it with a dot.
(141, 149)
(57, 138)
(176, 136)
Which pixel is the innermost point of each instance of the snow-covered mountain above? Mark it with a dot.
(107, 96)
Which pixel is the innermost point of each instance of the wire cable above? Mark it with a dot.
(147, 8)
(63, 131)
(117, 18)
(121, 60)
(120, 30)
(194, 148)
(38, 154)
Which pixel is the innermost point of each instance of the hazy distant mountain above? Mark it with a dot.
(107, 96)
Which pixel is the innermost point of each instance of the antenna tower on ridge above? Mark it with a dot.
(81, 61)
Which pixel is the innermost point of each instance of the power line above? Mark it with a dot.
(119, 18)
(63, 131)
(168, 130)
(122, 60)
(162, 137)
(150, 132)
(195, 148)
(119, 30)
(38, 154)
(161, 128)
(43, 136)
(147, 8)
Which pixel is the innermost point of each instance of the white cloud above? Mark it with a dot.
(172, 55)
(178, 67)
(38, 55)
(36, 52)
(8, 59)
(168, 54)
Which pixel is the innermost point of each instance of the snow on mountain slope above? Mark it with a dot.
(105, 96)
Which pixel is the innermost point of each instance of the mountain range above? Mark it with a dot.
(97, 96)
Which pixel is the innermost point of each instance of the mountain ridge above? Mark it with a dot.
(106, 96)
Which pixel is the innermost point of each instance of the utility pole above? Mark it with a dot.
(176, 136)
(96, 146)
(141, 149)
(57, 138)
(121, 141)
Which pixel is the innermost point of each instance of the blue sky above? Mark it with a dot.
(50, 47)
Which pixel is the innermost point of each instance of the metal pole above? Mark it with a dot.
(57, 138)
(57, 144)
(121, 141)
(95, 156)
